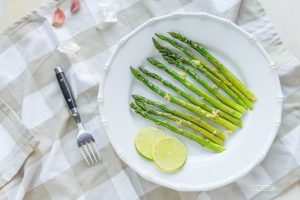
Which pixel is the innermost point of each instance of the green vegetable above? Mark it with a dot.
(191, 86)
(186, 116)
(206, 70)
(229, 76)
(196, 138)
(181, 121)
(222, 83)
(196, 109)
(191, 98)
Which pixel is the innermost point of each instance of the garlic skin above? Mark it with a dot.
(75, 5)
(58, 18)
(68, 47)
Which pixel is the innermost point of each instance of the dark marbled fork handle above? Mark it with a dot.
(85, 141)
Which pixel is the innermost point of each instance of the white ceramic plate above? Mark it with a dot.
(241, 52)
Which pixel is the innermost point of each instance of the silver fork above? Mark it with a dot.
(85, 141)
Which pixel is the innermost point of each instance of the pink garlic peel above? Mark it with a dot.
(58, 17)
(75, 5)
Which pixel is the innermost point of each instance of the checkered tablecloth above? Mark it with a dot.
(39, 158)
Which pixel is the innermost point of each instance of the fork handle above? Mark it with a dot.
(67, 93)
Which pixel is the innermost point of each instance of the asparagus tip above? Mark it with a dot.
(159, 35)
(145, 71)
(132, 105)
(141, 68)
(156, 43)
(150, 59)
(169, 59)
(133, 70)
(135, 107)
(139, 110)
(141, 104)
(137, 97)
(136, 74)
(173, 34)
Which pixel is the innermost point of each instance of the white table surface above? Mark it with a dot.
(284, 14)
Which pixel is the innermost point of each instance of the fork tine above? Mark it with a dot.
(83, 154)
(92, 151)
(97, 151)
(88, 154)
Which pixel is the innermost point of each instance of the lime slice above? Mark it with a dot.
(169, 154)
(145, 139)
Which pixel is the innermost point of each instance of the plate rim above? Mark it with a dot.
(206, 186)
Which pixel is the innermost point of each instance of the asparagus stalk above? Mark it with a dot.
(191, 98)
(173, 99)
(196, 138)
(191, 86)
(191, 55)
(207, 86)
(235, 91)
(207, 71)
(231, 77)
(181, 121)
(230, 89)
(225, 85)
(177, 46)
(183, 115)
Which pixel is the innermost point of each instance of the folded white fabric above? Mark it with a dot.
(16, 143)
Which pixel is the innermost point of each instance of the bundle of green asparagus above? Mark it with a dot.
(212, 110)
